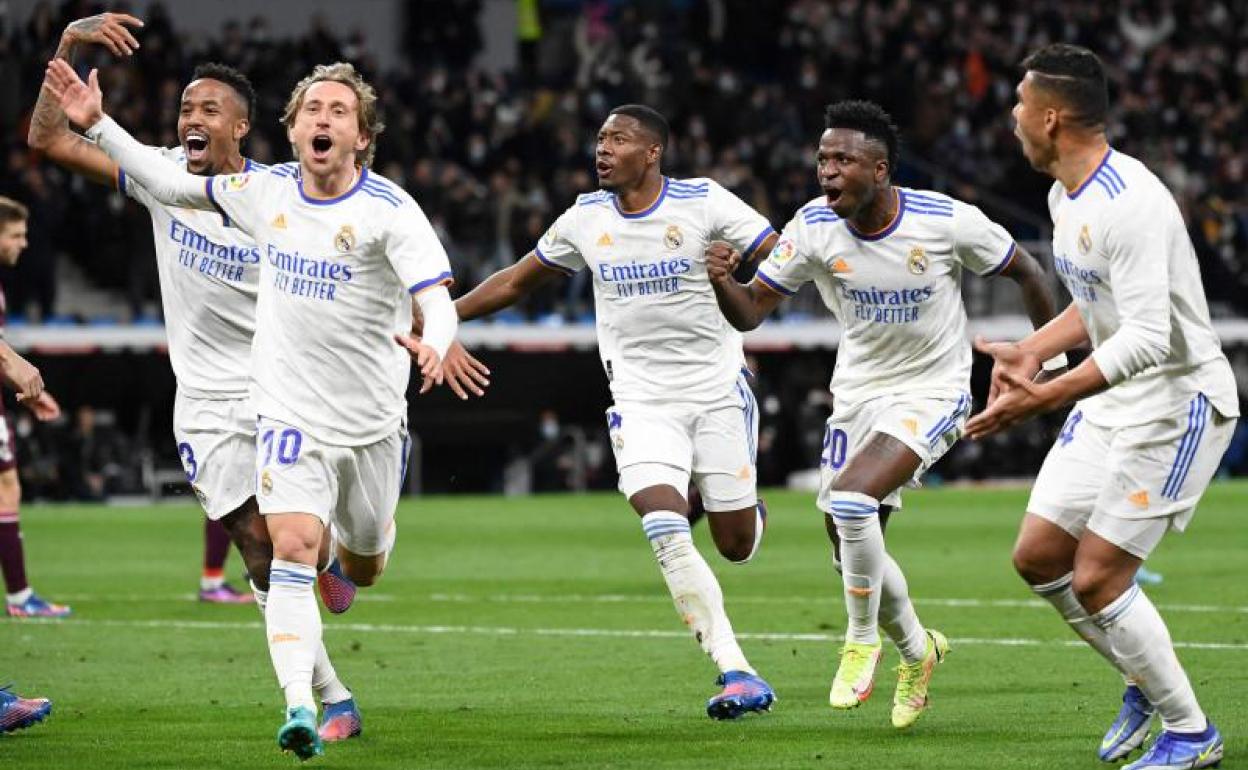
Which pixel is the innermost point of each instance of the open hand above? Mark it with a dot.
(106, 29)
(1018, 400)
(464, 373)
(426, 358)
(1006, 357)
(82, 102)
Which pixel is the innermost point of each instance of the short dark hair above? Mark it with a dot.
(869, 118)
(1076, 77)
(649, 118)
(232, 78)
(12, 211)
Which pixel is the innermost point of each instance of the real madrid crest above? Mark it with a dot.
(1085, 240)
(917, 262)
(673, 238)
(344, 241)
(266, 483)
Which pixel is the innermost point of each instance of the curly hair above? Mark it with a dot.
(869, 118)
(370, 121)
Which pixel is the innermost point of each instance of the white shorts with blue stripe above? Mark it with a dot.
(670, 444)
(1131, 484)
(928, 424)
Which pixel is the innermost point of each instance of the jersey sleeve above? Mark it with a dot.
(790, 264)
(1139, 274)
(980, 244)
(130, 187)
(241, 198)
(414, 251)
(734, 221)
(556, 249)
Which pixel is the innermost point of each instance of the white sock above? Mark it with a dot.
(20, 597)
(211, 583)
(694, 588)
(897, 615)
(862, 562)
(1061, 595)
(325, 682)
(293, 623)
(1140, 640)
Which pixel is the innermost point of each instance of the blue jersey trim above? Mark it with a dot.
(887, 231)
(121, 180)
(1005, 261)
(537, 251)
(419, 286)
(645, 212)
(771, 283)
(212, 198)
(768, 230)
(331, 201)
(1079, 190)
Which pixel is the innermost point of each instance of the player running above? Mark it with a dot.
(888, 262)
(21, 601)
(208, 281)
(340, 250)
(1154, 405)
(683, 406)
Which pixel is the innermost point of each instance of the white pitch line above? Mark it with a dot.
(616, 633)
(830, 599)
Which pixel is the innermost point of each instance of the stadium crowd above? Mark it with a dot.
(494, 157)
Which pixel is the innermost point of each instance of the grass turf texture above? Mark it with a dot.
(538, 633)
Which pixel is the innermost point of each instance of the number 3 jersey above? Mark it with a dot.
(335, 280)
(897, 292)
(660, 333)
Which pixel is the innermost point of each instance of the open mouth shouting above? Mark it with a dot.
(322, 144)
(604, 169)
(196, 146)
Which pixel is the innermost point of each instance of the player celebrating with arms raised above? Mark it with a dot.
(888, 261)
(209, 274)
(340, 251)
(683, 408)
(1155, 403)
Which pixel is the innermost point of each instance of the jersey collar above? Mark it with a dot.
(648, 210)
(888, 230)
(330, 201)
(1088, 179)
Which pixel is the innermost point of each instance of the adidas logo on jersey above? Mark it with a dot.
(605, 240)
(841, 266)
(280, 222)
(1139, 499)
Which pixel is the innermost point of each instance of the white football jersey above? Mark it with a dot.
(897, 293)
(1121, 248)
(335, 283)
(660, 333)
(208, 277)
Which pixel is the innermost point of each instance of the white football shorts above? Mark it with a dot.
(670, 444)
(217, 445)
(355, 488)
(928, 425)
(1131, 485)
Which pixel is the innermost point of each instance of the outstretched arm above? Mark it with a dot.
(745, 306)
(82, 103)
(49, 128)
(505, 288)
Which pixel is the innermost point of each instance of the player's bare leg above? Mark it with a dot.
(739, 533)
(21, 601)
(876, 593)
(699, 600)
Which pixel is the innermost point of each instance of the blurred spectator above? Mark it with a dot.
(93, 457)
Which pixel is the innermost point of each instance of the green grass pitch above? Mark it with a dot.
(536, 633)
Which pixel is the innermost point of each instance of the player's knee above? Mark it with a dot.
(295, 545)
(1037, 565)
(1094, 587)
(739, 549)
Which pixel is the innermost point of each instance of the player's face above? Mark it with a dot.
(326, 133)
(211, 122)
(624, 152)
(850, 170)
(1033, 120)
(12, 242)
